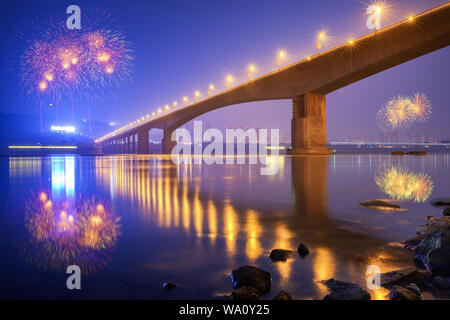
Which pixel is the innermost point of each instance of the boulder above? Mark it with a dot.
(280, 254)
(302, 250)
(246, 293)
(433, 250)
(439, 262)
(432, 225)
(441, 283)
(398, 153)
(379, 204)
(446, 212)
(445, 202)
(169, 285)
(417, 153)
(404, 277)
(249, 276)
(404, 293)
(340, 290)
(282, 295)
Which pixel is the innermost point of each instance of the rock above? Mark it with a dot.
(246, 293)
(439, 262)
(282, 295)
(169, 285)
(433, 225)
(445, 202)
(417, 153)
(438, 239)
(446, 212)
(345, 291)
(413, 242)
(302, 250)
(280, 254)
(404, 277)
(398, 153)
(248, 276)
(379, 204)
(413, 287)
(404, 293)
(441, 283)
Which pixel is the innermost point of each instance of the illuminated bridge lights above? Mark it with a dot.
(280, 57)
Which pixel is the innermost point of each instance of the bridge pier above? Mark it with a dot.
(143, 141)
(167, 143)
(308, 124)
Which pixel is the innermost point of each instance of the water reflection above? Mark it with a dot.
(402, 184)
(61, 233)
(213, 218)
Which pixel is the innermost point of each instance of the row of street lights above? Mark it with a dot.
(281, 55)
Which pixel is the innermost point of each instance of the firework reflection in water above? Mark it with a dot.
(401, 184)
(60, 236)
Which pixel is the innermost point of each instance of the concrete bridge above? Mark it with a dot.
(306, 83)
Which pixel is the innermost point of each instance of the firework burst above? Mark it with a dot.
(402, 112)
(58, 64)
(401, 184)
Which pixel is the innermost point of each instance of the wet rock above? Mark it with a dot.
(404, 277)
(445, 202)
(413, 242)
(169, 285)
(280, 254)
(345, 291)
(417, 153)
(398, 153)
(282, 295)
(439, 262)
(433, 252)
(404, 293)
(248, 276)
(441, 283)
(446, 212)
(432, 225)
(246, 293)
(379, 204)
(302, 250)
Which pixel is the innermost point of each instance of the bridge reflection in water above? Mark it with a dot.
(231, 215)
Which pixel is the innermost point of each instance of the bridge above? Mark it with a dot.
(306, 83)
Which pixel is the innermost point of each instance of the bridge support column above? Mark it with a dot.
(167, 143)
(143, 141)
(308, 124)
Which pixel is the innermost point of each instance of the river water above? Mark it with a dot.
(134, 222)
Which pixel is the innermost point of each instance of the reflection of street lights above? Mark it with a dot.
(228, 81)
(281, 56)
(211, 89)
(251, 70)
(320, 38)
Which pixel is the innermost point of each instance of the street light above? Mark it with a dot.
(196, 95)
(175, 105)
(211, 89)
(159, 111)
(251, 70)
(166, 108)
(228, 81)
(185, 100)
(320, 37)
(281, 56)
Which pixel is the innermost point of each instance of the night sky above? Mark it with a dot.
(183, 46)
